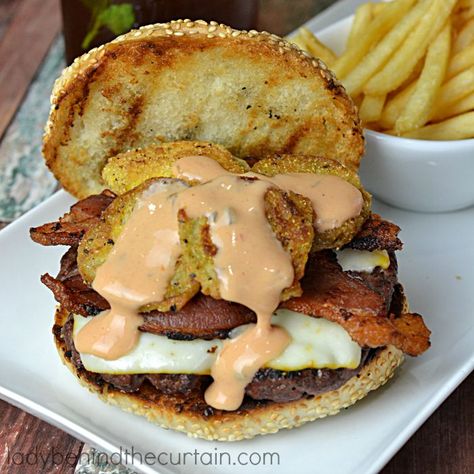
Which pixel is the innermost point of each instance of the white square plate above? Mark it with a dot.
(437, 269)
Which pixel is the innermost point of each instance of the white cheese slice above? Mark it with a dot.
(362, 260)
(315, 343)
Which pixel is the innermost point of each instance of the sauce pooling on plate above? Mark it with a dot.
(251, 264)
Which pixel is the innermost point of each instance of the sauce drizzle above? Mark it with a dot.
(334, 200)
(136, 272)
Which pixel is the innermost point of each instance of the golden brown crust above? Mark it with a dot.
(169, 411)
(251, 92)
(127, 170)
(295, 163)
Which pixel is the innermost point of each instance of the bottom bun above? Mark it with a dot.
(259, 418)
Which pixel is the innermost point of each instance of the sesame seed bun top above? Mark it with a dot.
(253, 93)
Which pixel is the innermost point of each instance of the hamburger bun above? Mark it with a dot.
(177, 413)
(254, 93)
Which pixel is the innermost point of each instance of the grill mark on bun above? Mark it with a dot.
(144, 56)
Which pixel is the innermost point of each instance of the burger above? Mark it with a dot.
(225, 275)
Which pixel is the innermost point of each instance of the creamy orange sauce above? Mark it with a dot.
(253, 269)
(334, 200)
(136, 272)
(251, 264)
(198, 168)
(240, 359)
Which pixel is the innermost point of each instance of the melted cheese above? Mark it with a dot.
(362, 260)
(315, 343)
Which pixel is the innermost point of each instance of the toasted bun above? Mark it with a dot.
(251, 92)
(169, 412)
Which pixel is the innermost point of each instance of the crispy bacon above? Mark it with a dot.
(70, 291)
(70, 228)
(377, 234)
(330, 293)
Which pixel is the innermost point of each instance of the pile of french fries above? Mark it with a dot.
(409, 66)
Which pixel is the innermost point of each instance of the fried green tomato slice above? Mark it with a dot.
(127, 170)
(333, 238)
(291, 218)
(98, 241)
(290, 215)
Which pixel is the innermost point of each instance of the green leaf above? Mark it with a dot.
(118, 18)
(96, 7)
(91, 34)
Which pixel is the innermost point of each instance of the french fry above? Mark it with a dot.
(371, 108)
(298, 40)
(466, 104)
(362, 18)
(456, 128)
(464, 4)
(419, 106)
(461, 61)
(465, 37)
(409, 67)
(393, 108)
(404, 60)
(316, 48)
(454, 90)
(415, 74)
(358, 100)
(375, 30)
(466, 14)
(378, 8)
(358, 77)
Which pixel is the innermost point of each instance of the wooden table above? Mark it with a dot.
(444, 444)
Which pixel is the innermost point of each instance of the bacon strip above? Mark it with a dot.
(70, 291)
(72, 226)
(330, 293)
(201, 317)
(377, 234)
